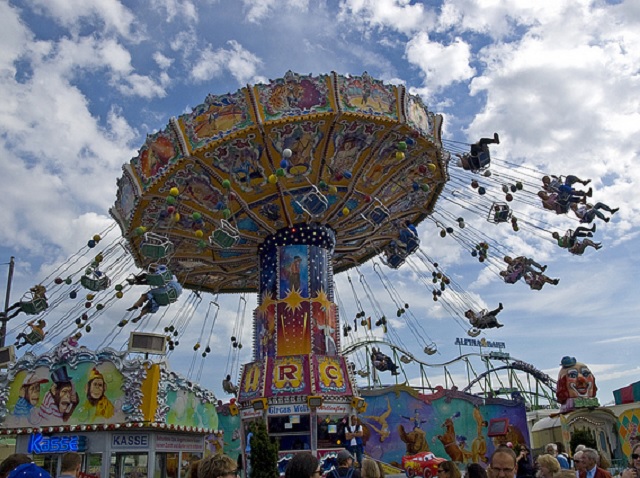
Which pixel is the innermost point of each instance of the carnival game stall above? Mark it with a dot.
(128, 416)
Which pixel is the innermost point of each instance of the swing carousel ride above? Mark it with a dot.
(275, 188)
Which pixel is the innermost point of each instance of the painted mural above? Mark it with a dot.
(181, 402)
(227, 438)
(72, 385)
(628, 430)
(451, 424)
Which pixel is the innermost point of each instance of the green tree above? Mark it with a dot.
(582, 437)
(264, 452)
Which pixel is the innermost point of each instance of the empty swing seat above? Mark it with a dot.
(379, 213)
(473, 332)
(95, 284)
(314, 202)
(155, 246)
(225, 236)
(430, 349)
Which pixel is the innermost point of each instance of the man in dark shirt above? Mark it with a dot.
(345, 466)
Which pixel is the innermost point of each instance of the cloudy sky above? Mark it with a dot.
(83, 82)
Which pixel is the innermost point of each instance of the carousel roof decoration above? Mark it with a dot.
(351, 153)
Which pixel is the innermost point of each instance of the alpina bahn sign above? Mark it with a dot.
(480, 343)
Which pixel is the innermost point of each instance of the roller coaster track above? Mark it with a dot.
(535, 387)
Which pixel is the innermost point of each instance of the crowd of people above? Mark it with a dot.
(505, 462)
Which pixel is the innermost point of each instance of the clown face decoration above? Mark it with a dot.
(575, 380)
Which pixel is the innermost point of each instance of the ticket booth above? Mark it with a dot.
(128, 416)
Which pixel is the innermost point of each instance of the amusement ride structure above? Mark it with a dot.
(272, 190)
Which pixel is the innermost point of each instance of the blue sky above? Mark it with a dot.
(83, 82)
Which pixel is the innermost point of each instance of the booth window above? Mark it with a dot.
(166, 465)
(293, 432)
(93, 464)
(330, 431)
(129, 465)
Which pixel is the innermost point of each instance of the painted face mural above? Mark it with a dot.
(575, 380)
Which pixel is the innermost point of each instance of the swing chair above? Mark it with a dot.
(94, 280)
(33, 303)
(404, 359)
(379, 213)
(392, 256)
(158, 275)
(431, 349)
(499, 212)
(155, 246)
(225, 236)
(165, 296)
(473, 332)
(314, 203)
(33, 337)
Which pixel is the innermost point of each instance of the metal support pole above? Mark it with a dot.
(3, 320)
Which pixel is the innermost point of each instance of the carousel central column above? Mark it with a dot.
(296, 291)
(298, 380)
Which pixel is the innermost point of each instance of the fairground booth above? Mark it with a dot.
(128, 416)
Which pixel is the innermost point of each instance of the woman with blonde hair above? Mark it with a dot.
(217, 466)
(548, 466)
(370, 469)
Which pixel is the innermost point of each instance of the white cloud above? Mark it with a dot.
(162, 61)
(185, 9)
(257, 10)
(74, 13)
(441, 64)
(241, 63)
(398, 15)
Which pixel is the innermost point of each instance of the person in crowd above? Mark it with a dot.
(547, 465)
(302, 465)
(353, 434)
(217, 466)
(525, 467)
(633, 471)
(70, 465)
(448, 469)
(369, 469)
(345, 467)
(28, 470)
(592, 470)
(578, 462)
(558, 453)
(475, 470)
(11, 462)
(503, 463)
